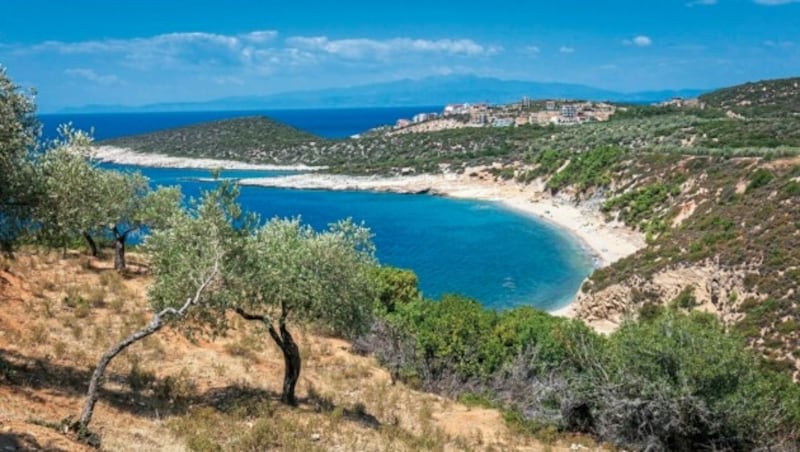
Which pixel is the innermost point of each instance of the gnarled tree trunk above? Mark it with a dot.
(291, 354)
(90, 241)
(292, 363)
(94, 384)
(119, 248)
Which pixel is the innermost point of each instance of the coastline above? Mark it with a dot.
(124, 156)
(605, 242)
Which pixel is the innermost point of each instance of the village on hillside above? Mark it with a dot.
(523, 112)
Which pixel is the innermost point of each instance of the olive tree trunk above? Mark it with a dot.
(90, 241)
(94, 384)
(291, 354)
(82, 424)
(119, 248)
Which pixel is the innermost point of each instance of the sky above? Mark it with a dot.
(83, 52)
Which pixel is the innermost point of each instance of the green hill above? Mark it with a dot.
(767, 98)
(253, 139)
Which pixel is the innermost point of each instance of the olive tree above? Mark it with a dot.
(132, 206)
(289, 273)
(19, 133)
(187, 259)
(81, 199)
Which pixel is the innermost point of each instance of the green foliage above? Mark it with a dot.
(292, 273)
(637, 207)
(679, 382)
(588, 170)
(458, 334)
(759, 178)
(19, 132)
(670, 381)
(686, 298)
(248, 138)
(195, 245)
(396, 286)
(768, 98)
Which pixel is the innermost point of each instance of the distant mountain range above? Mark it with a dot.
(438, 90)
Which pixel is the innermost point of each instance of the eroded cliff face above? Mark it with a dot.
(716, 289)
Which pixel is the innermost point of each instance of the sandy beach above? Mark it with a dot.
(124, 156)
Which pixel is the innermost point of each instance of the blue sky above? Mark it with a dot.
(131, 53)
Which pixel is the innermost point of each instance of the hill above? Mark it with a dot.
(766, 98)
(253, 138)
(60, 313)
(437, 90)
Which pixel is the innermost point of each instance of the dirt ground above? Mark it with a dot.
(59, 313)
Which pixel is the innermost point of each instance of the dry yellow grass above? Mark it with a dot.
(58, 314)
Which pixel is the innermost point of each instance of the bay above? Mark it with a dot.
(480, 249)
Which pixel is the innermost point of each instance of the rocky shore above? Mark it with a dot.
(124, 156)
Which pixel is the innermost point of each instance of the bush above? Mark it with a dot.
(679, 382)
(759, 178)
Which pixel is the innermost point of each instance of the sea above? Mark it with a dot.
(484, 250)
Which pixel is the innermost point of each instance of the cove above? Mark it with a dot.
(480, 249)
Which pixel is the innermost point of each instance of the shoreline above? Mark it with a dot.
(125, 156)
(605, 242)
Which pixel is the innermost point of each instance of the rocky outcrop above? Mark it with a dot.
(717, 290)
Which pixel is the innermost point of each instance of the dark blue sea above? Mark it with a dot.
(480, 249)
(328, 123)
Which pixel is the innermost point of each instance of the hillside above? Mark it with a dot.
(171, 393)
(766, 98)
(681, 130)
(248, 138)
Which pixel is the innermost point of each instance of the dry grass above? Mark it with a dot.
(60, 313)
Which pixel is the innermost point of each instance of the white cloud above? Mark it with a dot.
(358, 48)
(774, 2)
(258, 50)
(532, 50)
(566, 49)
(168, 41)
(639, 41)
(91, 75)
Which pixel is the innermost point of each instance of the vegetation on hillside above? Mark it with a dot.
(256, 137)
(669, 381)
(766, 98)
(770, 125)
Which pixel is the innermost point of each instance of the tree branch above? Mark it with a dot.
(262, 318)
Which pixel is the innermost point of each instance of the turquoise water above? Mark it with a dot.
(480, 249)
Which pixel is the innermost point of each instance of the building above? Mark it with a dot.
(456, 109)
